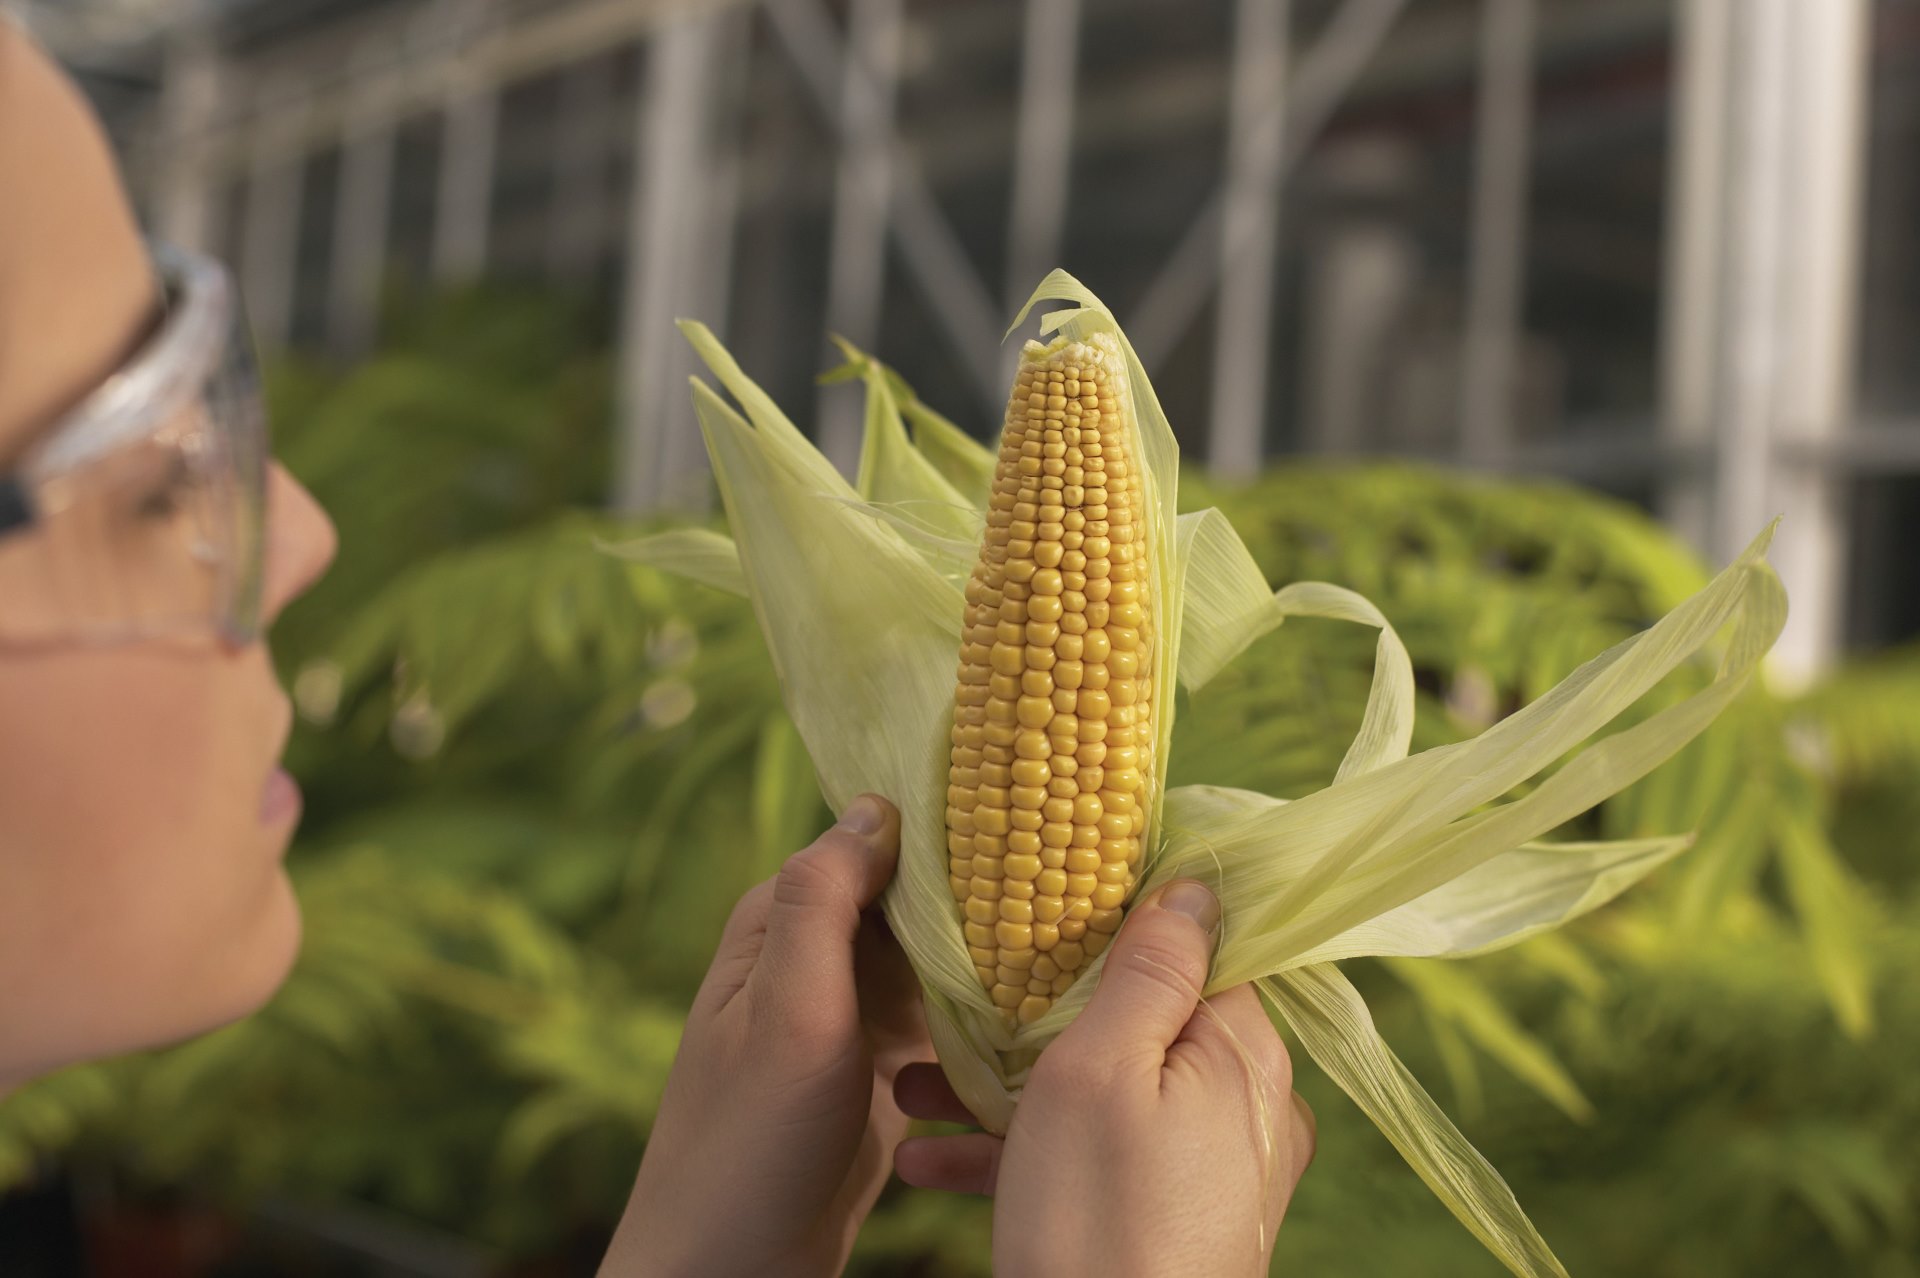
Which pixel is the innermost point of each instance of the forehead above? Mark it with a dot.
(76, 292)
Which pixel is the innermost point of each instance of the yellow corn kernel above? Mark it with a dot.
(1052, 742)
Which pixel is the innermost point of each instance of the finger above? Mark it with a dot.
(820, 892)
(740, 942)
(1152, 979)
(967, 1164)
(889, 994)
(921, 1090)
(1305, 1135)
(1229, 1034)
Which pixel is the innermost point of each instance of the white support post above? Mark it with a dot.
(671, 240)
(464, 205)
(1776, 374)
(188, 205)
(1249, 249)
(960, 302)
(863, 187)
(1696, 214)
(361, 217)
(270, 237)
(1497, 247)
(1042, 144)
(1807, 393)
(580, 189)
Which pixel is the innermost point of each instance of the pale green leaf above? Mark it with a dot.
(698, 554)
(1379, 840)
(1515, 895)
(862, 638)
(784, 443)
(1333, 1024)
(966, 463)
(1225, 606)
(1386, 727)
(894, 473)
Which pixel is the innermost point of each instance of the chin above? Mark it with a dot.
(246, 976)
(274, 948)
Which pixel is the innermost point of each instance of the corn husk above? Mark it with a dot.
(857, 588)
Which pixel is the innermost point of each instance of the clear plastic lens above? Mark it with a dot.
(158, 537)
(136, 544)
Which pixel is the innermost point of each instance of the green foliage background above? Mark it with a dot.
(538, 777)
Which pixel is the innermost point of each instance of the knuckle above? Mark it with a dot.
(1163, 962)
(809, 878)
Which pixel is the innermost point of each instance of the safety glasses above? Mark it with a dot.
(141, 515)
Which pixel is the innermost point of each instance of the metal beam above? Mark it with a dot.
(960, 301)
(857, 250)
(1243, 338)
(1321, 78)
(1497, 245)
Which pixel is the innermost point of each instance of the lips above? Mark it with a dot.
(280, 799)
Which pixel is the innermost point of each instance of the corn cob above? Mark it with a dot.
(1052, 741)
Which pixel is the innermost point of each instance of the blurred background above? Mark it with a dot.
(1513, 314)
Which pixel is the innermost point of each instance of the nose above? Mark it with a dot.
(301, 542)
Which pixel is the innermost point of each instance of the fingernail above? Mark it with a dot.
(864, 816)
(1195, 901)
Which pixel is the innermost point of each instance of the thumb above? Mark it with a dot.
(1153, 976)
(821, 890)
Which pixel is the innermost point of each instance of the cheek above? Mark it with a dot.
(140, 897)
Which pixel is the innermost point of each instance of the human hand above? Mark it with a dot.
(1145, 1142)
(778, 1124)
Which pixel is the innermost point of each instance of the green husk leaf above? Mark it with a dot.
(698, 554)
(1377, 841)
(1516, 895)
(862, 637)
(964, 461)
(1226, 606)
(895, 474)
(961, 460)
(1333, 1024)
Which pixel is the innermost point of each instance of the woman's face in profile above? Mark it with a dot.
(142, 814)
